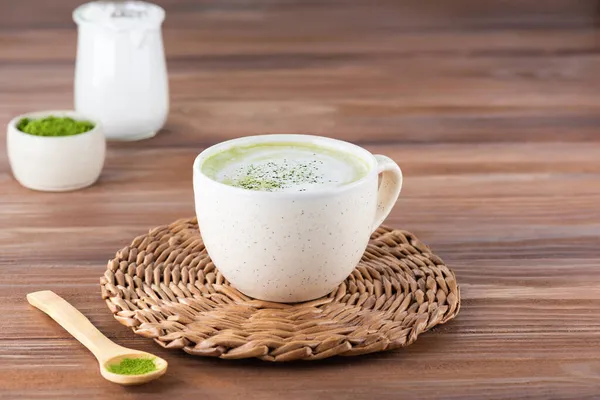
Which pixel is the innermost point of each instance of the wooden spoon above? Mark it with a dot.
(106, 351)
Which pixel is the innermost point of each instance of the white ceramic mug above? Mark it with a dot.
(292, 246)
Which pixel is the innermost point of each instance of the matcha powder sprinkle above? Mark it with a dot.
(54, 126)
(271, 176)
(133, 366)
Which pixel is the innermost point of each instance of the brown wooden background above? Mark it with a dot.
(491, 108)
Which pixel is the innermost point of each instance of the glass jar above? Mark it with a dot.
(120, 72)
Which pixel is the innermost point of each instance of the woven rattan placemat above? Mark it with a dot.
(165, 287)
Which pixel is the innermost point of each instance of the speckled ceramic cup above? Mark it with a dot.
(292, 246)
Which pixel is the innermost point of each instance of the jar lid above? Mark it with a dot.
(120, 15)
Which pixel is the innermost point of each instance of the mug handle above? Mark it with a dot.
(389, 189)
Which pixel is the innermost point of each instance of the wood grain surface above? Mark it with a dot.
(492, 109)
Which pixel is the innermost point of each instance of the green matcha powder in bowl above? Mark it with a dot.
(55, 150)
(54, 126)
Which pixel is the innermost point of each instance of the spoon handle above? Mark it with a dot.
(75, 323)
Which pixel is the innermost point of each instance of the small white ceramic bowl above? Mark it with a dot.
(55, 163)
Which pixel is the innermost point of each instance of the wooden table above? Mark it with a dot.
(491, 108)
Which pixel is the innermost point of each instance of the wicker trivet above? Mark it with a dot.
(165, 287)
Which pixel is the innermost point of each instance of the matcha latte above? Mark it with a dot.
(284, 167)
(286, 218)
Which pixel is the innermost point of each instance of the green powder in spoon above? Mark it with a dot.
(133, 366)
(54, 126)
